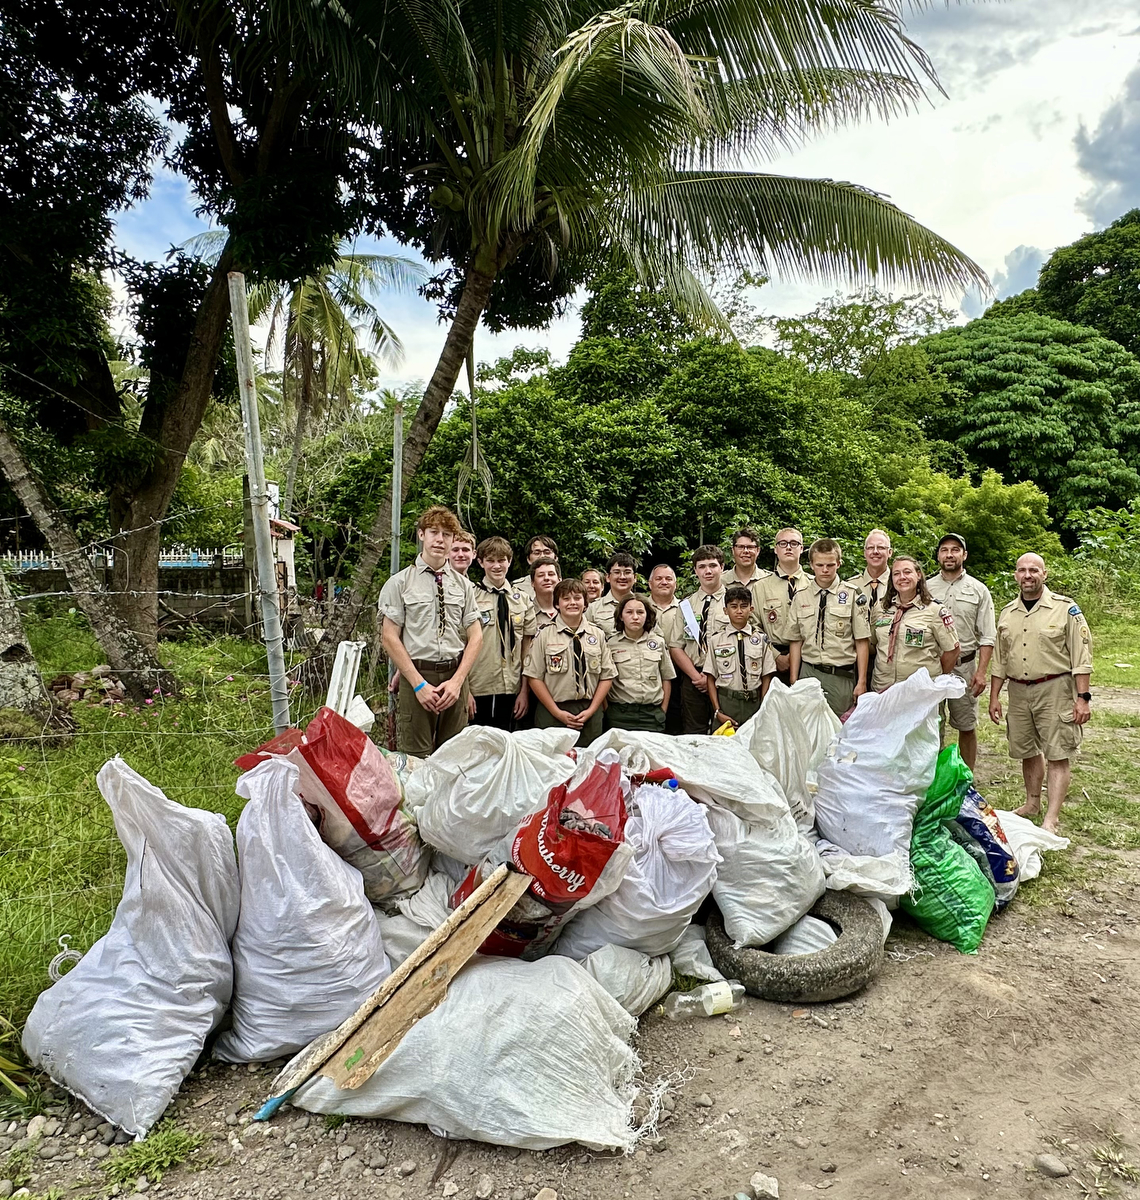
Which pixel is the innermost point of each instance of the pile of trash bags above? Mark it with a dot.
(348, 858)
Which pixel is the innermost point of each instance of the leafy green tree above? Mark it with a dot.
(999, 521)
(1095, 281)
(1047, 401)
(567, 132)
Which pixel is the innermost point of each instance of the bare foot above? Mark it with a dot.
(1051, 824)
(1028, 810)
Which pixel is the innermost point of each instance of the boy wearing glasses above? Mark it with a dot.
(745, 547)
(773, 597)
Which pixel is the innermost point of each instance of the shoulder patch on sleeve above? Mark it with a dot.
(861, 600)
(1074, 610)
(947, 617)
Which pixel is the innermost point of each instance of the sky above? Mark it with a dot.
(1035, 142)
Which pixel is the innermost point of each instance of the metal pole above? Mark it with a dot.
(394, 548)
(259, 503)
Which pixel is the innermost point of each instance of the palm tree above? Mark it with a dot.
(330, 335)
(558, 128)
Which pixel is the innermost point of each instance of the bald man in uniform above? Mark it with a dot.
(1044, 649)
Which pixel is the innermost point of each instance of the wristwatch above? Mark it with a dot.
(1084, 695)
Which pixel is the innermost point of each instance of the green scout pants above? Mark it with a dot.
(736, 706)
(838, 690)
(544, 719)
(647, 718)
(418, 731)
(696, 711)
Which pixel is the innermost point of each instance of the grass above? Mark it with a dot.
(61, 865)
(164, 1147)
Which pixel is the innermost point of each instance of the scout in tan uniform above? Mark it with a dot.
(544, 577)
(873, 580)
(973, 607)
(1045, 651)
(462, 552)
(831, 630)
(433, 636)
(739, 663)
(911, 633)
(500, 694)
(570, 668)
(688, 636)
(645, 671)
(772, 597)
(594, 581)
(745, 547)
(538, 547)
(621, 574)
(663, 597)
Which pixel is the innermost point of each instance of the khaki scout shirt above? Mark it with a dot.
(641, 666)
(678, 634)
(663, 612)
(524, 585)
(601, 613)
(924, 634)
(410, 599)
(722, 661)
(498, 669)
(867, 585)
(542, 618)
(1051, 639)
(551, 659)
(972, 605)
(772, 604)
(846, 620)
(729, 579)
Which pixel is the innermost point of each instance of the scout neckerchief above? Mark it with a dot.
(791, 585)
(506, 629)
(900, 612)
(440, 601)
(821, 618)
(703, 641)
(579, 656)
(740, 656)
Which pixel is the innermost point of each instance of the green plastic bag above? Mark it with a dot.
(951, 898)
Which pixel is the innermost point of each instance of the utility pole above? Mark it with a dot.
(259, 504)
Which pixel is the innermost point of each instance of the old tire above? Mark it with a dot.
(844, 967)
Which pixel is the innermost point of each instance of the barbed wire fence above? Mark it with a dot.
(61, 863)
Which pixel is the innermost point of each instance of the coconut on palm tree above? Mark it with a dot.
(547, 130)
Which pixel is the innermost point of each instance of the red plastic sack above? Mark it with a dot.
(286, 740)
(566, 863)
(354, 788)
(529, 926)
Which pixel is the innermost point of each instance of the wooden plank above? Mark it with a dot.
(478, 914)
(421, 991)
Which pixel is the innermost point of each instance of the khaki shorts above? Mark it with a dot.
(1040, 720)
(963, 711)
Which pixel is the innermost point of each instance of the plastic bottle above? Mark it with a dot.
(706, 1001)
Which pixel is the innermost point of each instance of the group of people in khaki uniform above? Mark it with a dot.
(592, 652)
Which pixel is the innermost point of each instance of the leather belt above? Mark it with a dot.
(969, 657)
(1043, 679)
(421, 664)
(780, 649)
(847, 670)
(753, 695)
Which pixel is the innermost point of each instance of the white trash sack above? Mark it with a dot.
(308, 950)
(789, 737)
(480, 785)
(532, 1055)
(692, 956)
(1027, 840)
(884, 877)
(808, 935)
(123, 1028)
(713, 770)
(635, 980)
(872, 782)
(671, 872)
(770, 876)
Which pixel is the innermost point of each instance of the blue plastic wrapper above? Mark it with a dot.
(978, 821)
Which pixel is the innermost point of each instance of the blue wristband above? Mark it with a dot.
(422, 684)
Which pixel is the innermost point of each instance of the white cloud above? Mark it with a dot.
(1110, 157)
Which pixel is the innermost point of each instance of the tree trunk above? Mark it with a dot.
(26, 707)
(131, 660)
(317, 667)
(304, 407)
(138, 509)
